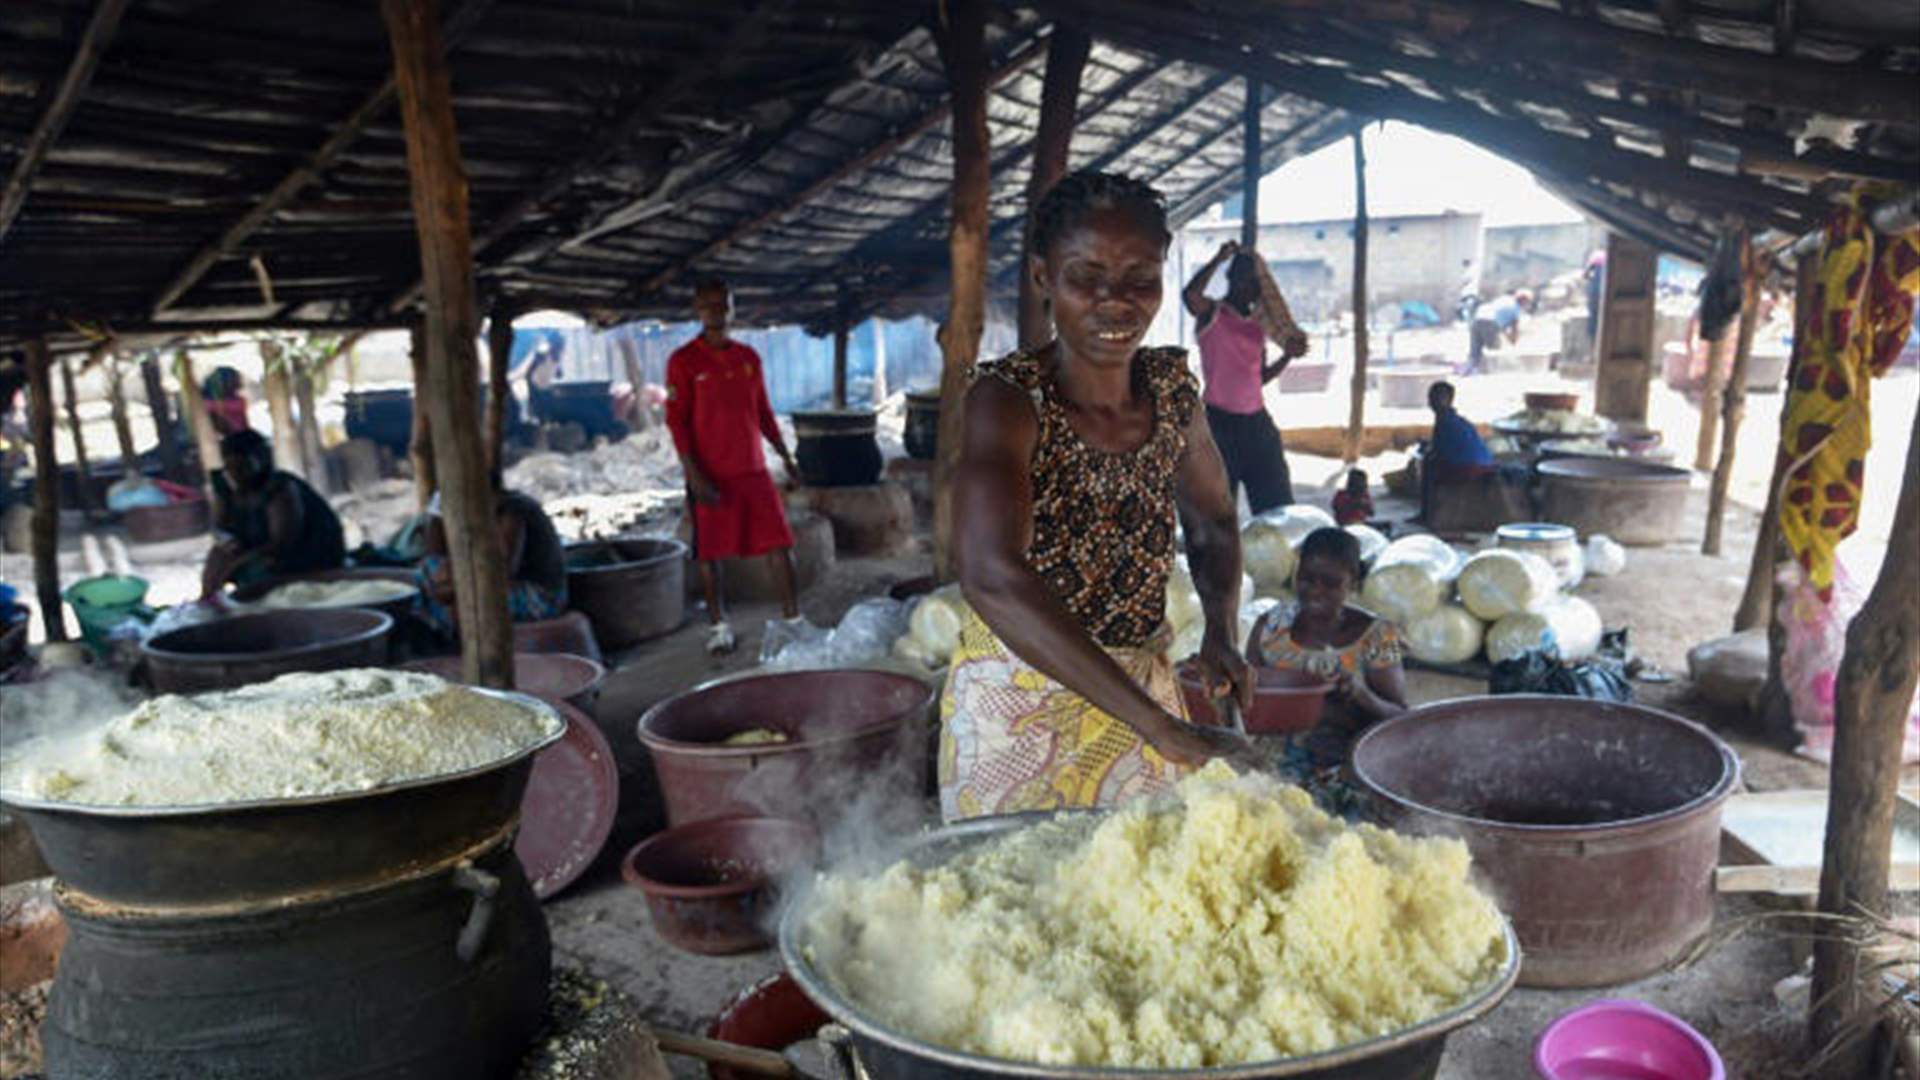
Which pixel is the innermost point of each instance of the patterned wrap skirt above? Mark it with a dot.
(1014, 740)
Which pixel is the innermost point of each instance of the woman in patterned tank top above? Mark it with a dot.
(1079, 458)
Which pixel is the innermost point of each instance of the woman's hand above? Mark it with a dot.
(1294, 343)
(1355, 690)
(700, 487)
(1225, 671)
(1228, 249)
(1192, 745)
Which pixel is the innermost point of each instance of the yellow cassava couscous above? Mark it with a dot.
(1231, 922)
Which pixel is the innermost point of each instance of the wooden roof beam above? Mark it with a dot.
(307, 172)
(73, 86)
(1522, 30)
(692, 72)
(920, 126)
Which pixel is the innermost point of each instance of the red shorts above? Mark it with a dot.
(749, 519)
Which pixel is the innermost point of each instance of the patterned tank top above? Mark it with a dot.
(1103, 523)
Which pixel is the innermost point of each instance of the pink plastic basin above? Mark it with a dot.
(1620, 1039)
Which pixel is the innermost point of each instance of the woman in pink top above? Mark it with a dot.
(1232, 335)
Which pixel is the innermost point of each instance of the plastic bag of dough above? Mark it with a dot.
(1297, 520)
(1497, 583)
(1267, 555)
(1449, 634)
(1605, 556)
(907, 648)
(1401, 592)
(936, 621)
(1372, 541)
(1569, 626)
(1430, 551)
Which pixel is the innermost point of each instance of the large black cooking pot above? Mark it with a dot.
(866, 1047)
(837, 448)
(241, 853)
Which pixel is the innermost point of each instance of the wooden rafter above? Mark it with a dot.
(926, 122)
(73, 86)
(371, 108)
(691, 73)
(1321, 127)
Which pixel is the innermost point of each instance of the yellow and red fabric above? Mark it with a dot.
(1853, 328)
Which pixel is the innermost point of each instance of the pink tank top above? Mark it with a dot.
(1232, 349)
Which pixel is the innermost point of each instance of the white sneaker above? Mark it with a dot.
(720, 639)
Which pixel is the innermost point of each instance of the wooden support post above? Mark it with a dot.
(313, 455)
(115, 370)
(278, 388)
(1625, 358)
(1250, 153)
(1757, 599)
(499, 352)
(1753, 271)
(46, 491)
(1871, 698)
(172, 461)
(204, 436)
(963, 51)
(1712, 397)
(83, 481)
(879, 363)
(420, 442)
(439, 189)
(1060, 93)
(840, 333)
(1357, 392)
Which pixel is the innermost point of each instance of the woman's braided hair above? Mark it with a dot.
(1078, 195)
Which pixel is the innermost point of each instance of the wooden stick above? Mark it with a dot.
(1871, 698)
(73, 86)
(278, 388)
(963, 50)
(313, 455)
(745, 1058)
(439, 188)
(46, 491)
(1357, 391)
(84, 481)
(1066, 60)
(840, 333)
(1719, 357)
(204, 436)
(1758, 600)
(1734, 403)
(116, 372)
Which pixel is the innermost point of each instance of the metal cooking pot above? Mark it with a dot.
(245, 852)
(866, 1049)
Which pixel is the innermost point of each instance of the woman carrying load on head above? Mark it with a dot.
(1079, 458)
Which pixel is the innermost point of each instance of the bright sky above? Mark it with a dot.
(1410, 170)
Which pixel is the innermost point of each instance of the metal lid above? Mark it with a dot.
(1535, 531)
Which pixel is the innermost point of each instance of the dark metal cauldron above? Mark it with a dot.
(837, 448)
(868, 1049)
(388, 933)
(246, 649)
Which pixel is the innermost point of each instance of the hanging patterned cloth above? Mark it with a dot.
(1861, 311)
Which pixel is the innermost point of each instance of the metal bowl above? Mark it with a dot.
(883, 1053)
(245, 852)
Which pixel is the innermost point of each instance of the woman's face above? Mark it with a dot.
(1323, 585)
(1103, 279)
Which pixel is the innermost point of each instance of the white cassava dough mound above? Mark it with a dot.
(329, 594)
(1231, 922)
(300, 735)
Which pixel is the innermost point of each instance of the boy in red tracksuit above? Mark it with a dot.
(717, 410)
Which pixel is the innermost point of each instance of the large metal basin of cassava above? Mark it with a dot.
(246, 649)
(1596, 824)
(872, 1049)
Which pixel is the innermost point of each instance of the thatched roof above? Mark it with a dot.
(616, 149)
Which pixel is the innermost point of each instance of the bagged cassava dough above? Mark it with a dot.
(1268, 556)
(1497, 583)
(1402, 592)
(1449, 634)
(1229, 922)
(1570, 626)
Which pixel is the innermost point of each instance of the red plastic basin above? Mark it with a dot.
(713, 887)
(772, 1014)
(1283, 701)
(554, 676)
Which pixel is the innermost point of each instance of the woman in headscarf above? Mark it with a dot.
(1079, 459)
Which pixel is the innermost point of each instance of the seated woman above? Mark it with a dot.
(270, 523)
(535, 559)
(1328, 638)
